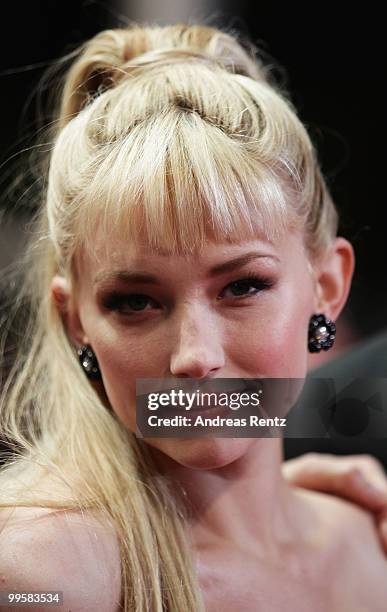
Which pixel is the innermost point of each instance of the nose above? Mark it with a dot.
(199, 352)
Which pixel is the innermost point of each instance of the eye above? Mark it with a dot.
(118, 301)
(132, 303)
(242, 285)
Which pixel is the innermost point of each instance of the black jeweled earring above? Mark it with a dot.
(321, 333)
(89, 362)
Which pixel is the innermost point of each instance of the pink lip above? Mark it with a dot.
(207, 408)
(216, 409)
(211, 411)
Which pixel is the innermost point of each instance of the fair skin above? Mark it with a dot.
(251, 531)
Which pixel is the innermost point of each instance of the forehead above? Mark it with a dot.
(120, 253)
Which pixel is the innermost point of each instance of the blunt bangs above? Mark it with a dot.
(179, 181)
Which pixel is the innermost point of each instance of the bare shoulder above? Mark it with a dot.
(47, 550)
(348, 539)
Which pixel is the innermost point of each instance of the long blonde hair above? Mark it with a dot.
(179, 132)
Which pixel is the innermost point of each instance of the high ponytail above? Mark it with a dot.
(112, 55)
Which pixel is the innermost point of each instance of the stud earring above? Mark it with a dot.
(89, 362)
(321, 333)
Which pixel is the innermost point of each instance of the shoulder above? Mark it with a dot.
(346, 538)
(47, 550)
(341, 524)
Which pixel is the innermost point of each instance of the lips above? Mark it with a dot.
(216, 388)
(220, 385)
(211, 402)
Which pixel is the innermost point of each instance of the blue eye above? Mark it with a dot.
(250, 281)
(136, 302)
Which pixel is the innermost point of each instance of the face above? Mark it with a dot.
(196, 319)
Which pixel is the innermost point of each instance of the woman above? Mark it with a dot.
(174, 154)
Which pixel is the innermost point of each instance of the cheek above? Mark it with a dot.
(122, 357)
(275, 344)
(287, 347)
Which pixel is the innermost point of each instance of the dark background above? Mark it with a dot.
(333, 65)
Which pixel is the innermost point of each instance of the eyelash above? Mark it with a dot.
(115, 299)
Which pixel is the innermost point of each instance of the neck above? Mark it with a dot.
(245, 503)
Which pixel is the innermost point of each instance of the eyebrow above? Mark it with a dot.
(142, 277)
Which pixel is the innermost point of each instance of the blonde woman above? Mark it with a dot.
(174, 154)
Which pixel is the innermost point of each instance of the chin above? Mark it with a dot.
(203, 453)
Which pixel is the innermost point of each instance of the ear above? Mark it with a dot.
(64, 302)
(333, 278)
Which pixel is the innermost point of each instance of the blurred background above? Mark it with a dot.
(331, 62)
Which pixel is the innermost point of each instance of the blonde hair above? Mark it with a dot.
(176, 131)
